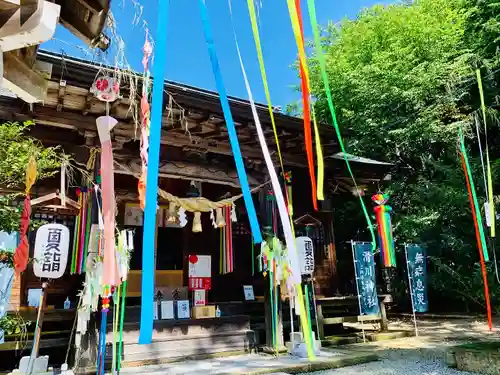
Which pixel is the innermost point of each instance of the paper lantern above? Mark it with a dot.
(51, 251)
(106, 88)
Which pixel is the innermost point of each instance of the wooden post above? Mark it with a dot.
(321, 329)
(384, 326)
(38, 328)
(268, 314)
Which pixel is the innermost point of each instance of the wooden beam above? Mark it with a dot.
(75, 121)
(91, 5)
(88, 103)
(60, 95)
(22, 79)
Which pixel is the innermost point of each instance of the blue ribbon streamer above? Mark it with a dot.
(102, 343)
(233, 138)
(148, 248)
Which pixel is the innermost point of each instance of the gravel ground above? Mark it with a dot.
(408, 366)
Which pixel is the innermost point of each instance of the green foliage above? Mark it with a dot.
(15, 151)
(403, 82)
(14, 325)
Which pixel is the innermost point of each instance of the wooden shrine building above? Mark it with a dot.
(194, 148)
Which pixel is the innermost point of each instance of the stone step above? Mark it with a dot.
(176, 329)
(187, 346)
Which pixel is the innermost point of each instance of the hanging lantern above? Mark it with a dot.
(197, 222)
(193, 191)
(106, 88)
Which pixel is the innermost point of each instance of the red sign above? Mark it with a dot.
(199, 272)
(204, 283)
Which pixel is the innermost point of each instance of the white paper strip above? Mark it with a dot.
(295, 278)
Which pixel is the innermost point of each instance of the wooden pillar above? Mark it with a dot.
(16, 293)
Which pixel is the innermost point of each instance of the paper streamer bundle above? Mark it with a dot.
(321, 60)
(82, 230)
(478, 224)
(383, 216)
(298, 30)
(489, 189)
(224, 222)
(294, 277)
(233, 137)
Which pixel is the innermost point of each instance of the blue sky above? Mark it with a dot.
(188, 60)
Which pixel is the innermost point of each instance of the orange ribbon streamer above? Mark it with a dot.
(479, 245)
(307, 114)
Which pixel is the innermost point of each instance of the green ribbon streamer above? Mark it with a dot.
(306, 292)
(271, 295)
(474, 196)
(116, 302)
(321, 59)
(122, 318)
(87, 230)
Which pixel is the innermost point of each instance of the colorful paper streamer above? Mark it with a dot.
(148, 249)
(296, 19)
(233, 137)
(491, 202)
(321, 59)
(386, 239)
(296, 278)
(478, 222)
(481, 243)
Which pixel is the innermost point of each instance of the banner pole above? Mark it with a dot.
(357, 288)
(411, 290)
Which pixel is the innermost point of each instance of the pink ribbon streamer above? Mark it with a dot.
(104, 126)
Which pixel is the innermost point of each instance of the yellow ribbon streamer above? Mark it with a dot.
(31, 173)
(260, 57)
(319, 154)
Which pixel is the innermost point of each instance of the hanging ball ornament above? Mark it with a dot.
(106, 88)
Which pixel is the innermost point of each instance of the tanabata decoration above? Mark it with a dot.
(293, 276)
(489, 188)
(224, 222)
(260, 57)
(322, 64)
(298, 30)
(106, 89)
(383, 217)
(478, 223)
(110, 278)
(233, 137)
(145, 118)
(151, 206)
(21, 254)
(82, 230)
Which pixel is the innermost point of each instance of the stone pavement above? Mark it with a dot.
(255, 364)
